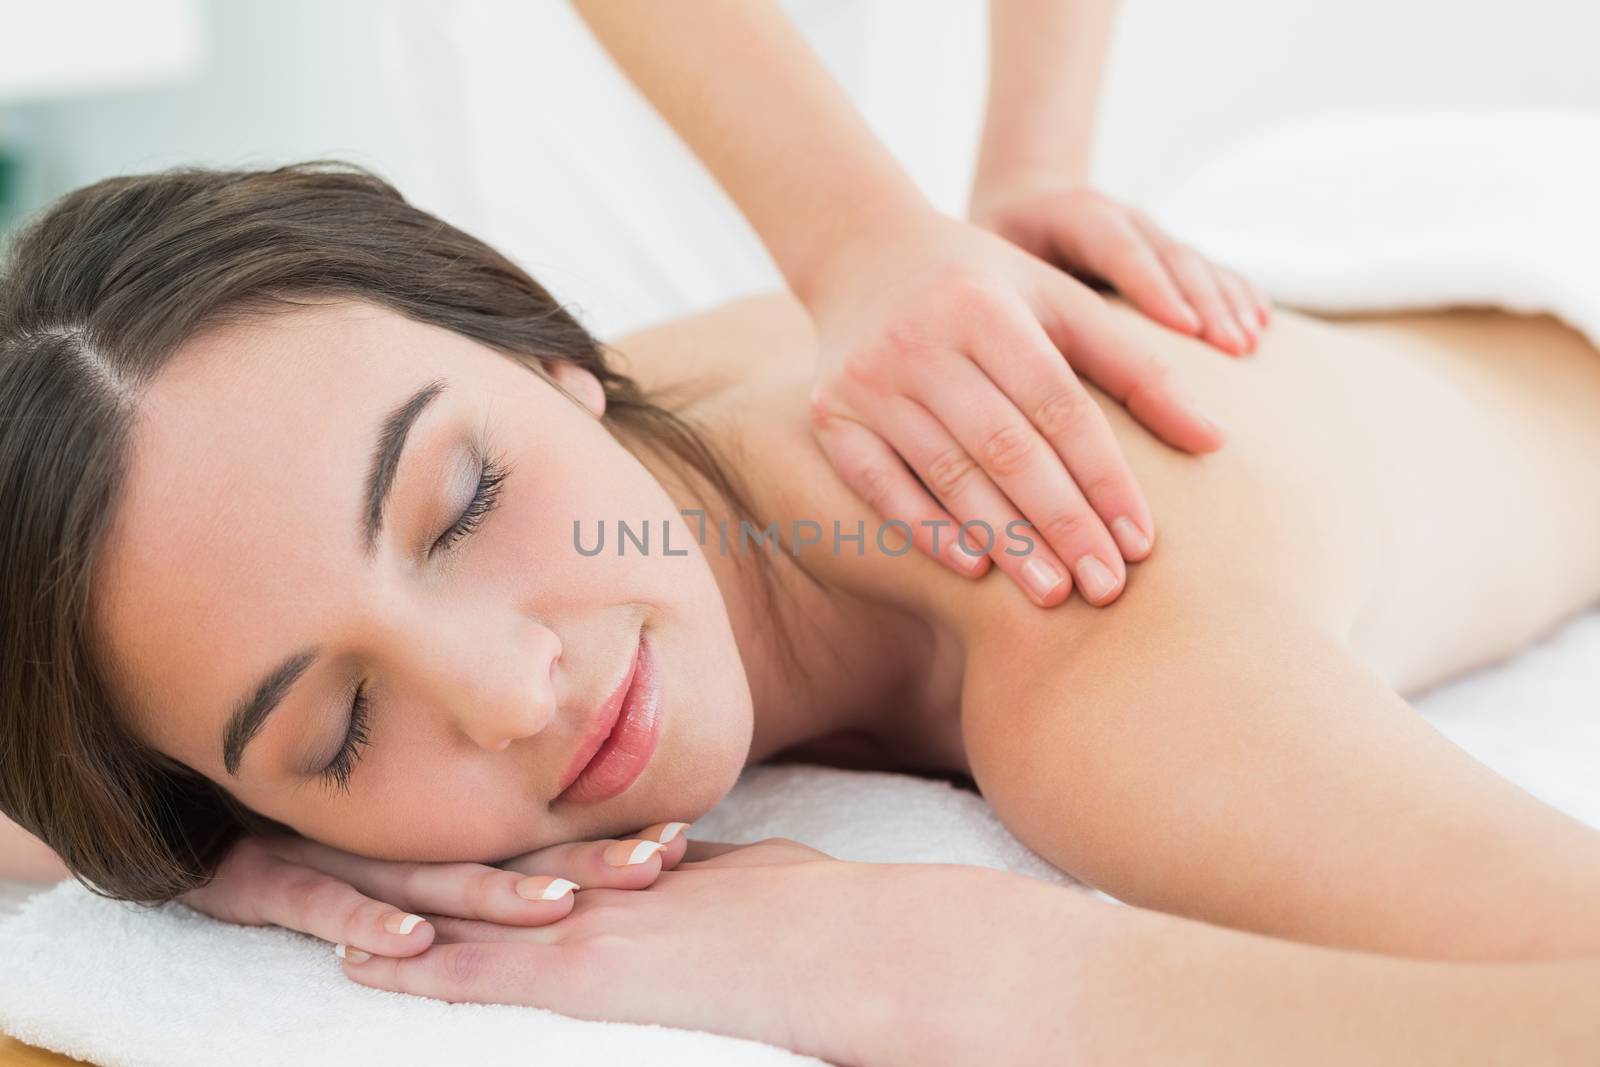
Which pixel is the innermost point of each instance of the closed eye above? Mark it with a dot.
(490, 481)
(492, 476)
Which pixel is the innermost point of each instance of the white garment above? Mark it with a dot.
(528, 135)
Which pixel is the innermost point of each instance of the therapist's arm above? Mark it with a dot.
(740, 86)
(1046, 59)
(939, 345)
(25, 858)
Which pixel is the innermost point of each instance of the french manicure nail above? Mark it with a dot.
(400, 923)
(671, 830)
(354, 955)
(628, 853)
(539, 889)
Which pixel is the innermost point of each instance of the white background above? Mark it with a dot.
(495, 112)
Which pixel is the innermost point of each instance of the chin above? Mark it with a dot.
(691, 774)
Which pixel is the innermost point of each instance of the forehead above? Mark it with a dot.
(240, 512)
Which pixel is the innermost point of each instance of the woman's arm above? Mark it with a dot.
(1013, 970)
(25, 858)
(881, 965)
(1211, 750)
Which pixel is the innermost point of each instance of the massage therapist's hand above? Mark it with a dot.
(950, 350)
(373, 905)
(1101, 240)
(765, 941)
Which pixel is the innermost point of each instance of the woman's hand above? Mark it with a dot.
(742, 940)
(1101, 240)
(950, 350)
(373, 905)
(935, 964)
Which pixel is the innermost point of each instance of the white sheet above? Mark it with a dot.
(1347, 214)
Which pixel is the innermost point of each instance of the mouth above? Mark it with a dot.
(623, 736)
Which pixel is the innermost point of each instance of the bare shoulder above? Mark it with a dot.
(739, 342)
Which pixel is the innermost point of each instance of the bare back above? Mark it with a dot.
(1427, 482)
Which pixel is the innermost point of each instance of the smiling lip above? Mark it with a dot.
(604, 719)
(632, 718)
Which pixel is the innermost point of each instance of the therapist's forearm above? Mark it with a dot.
(1015, 970)
(743, 89)
(1045, 63)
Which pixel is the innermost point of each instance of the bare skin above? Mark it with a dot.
(1402, 499)
(1227, 742)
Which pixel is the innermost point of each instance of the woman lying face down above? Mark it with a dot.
(240, 354)
(307, 546)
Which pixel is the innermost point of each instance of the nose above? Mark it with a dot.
(501, 690)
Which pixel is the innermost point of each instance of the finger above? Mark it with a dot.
(307, 900)
(1240, 301)
(483, 972)
(986, 516)
(877, 474)
(675, 835)
(623, 863)
(1077, 321)
(449, 930)
(1258, 298)
(1112, 247)
(1194, 276)
(1199, 284)
(704, 850)
(1027, 467)
(1020, 358)
(470, 890)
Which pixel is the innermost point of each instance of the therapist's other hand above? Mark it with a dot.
(949, 350)
(373, 905)
(1102, 240)
(740, 940)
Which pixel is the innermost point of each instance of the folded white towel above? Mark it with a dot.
(1369, 212)
(1343, 214)
(123, 987)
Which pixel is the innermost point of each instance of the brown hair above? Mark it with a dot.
(96, 295)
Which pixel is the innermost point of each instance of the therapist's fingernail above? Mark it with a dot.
(968, 559)
(1042, 577)
(1132, 540)
(545, 888)
(670, 831)
(1205, 420)
(354, 955)
(1095, 578)
(399, 922)
(628, 853)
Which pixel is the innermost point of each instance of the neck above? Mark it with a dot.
(847, 674)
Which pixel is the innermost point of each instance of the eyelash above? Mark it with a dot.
(490, 481)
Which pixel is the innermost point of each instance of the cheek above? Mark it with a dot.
(456, 818)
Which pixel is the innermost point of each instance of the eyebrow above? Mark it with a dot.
(250, 714)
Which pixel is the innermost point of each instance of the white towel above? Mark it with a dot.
(1342, 214)
(1361, 212)
(106, 982)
